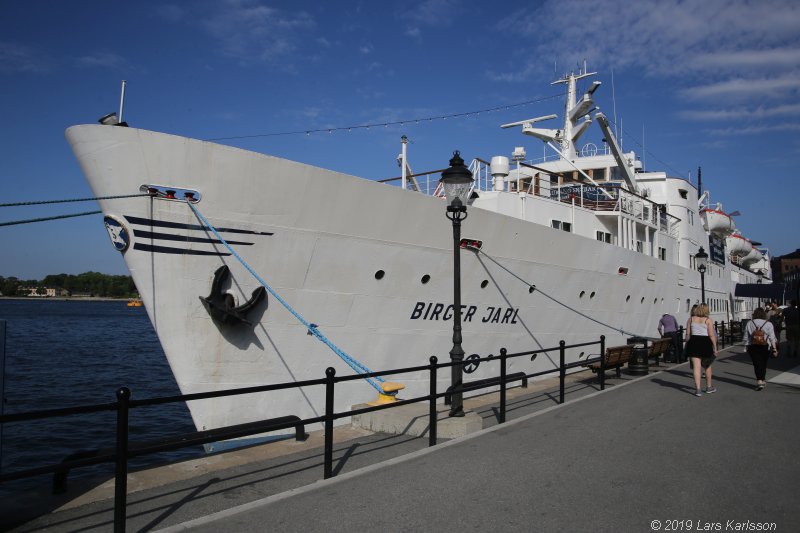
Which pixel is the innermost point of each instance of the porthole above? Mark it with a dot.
(484, 283)
(581, 355)
(655, 301)
(425, 279)
(591, 295)
(581, 294)
(642, 300)
(379, 274)
(628, 298)
(531, 289)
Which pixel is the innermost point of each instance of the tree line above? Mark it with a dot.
(86, 284)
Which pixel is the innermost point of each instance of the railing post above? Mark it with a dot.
(562, 372)
(680, 355)
(723, 333)
(330, 374)
(432, 418)
(602, 362)
(503, 354)
(121, 466)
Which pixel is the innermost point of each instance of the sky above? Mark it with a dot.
(696, 83)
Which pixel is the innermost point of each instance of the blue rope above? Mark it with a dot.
(312, 328)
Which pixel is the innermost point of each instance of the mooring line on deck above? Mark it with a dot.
(312, 328)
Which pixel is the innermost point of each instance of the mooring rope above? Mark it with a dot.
(543, 293)
(312, 328)
(41, 202)
(44, 219)
(58, 217)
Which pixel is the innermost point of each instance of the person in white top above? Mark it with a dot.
(761, 343)
(701, 346)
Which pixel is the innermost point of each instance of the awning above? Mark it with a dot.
(769, 291)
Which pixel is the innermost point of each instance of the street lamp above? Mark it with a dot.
(701, 260)
(456, 181)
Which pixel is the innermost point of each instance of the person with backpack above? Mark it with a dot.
(761, 343)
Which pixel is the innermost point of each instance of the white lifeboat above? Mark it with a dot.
(753, 256)
(737, 245)
(717, 221)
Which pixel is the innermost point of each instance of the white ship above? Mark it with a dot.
(573, 247)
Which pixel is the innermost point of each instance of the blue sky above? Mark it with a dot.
(702, 82)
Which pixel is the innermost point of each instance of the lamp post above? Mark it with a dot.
(456, 181)
(701, 260)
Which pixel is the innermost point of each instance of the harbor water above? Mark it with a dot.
(69, 353)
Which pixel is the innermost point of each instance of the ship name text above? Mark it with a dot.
(440, 311)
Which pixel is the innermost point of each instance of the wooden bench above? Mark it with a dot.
(615, 357)
(658, 348)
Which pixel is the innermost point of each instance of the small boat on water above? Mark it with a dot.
(135, 302)
(573, 246)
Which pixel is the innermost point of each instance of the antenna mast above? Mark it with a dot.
(122, 99)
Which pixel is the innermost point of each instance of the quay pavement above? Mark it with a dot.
(643, 455)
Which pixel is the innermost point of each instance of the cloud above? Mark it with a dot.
(740, 113)
(755, 129)
(749, 59)
(427, 14)
(251, 31)
(16, 57)
(659, 37)
(744, 88)
(103, 59)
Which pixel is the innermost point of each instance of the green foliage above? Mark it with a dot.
(88, 283)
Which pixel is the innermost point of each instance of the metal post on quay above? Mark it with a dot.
(456, 181)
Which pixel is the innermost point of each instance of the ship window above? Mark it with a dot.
(604, 236)
(591, 295)
(642, 300)
(628, 298)
(425, 279)
(484, 283)
(582, 294)
(639, 246)
(531, 289)
(558, 224)
(662, 253)
(684, 193)
(379, 274)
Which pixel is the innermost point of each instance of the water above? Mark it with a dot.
(69, 353)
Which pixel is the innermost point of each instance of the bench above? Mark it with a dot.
(658, 348)
(615, 357)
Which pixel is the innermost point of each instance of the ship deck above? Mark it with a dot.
(633, 457)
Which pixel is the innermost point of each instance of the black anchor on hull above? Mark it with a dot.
(219, 304)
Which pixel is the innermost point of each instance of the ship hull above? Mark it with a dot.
(370, 264)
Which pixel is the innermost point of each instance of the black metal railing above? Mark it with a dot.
(125, 449)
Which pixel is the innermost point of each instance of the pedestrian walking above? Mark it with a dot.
(775, 315)
(761, 344)
(668, 328)
(701, 347)
(791, 319)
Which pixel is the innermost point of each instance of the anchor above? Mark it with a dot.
(219, 304)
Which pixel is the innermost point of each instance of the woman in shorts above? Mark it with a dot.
(701, 347)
